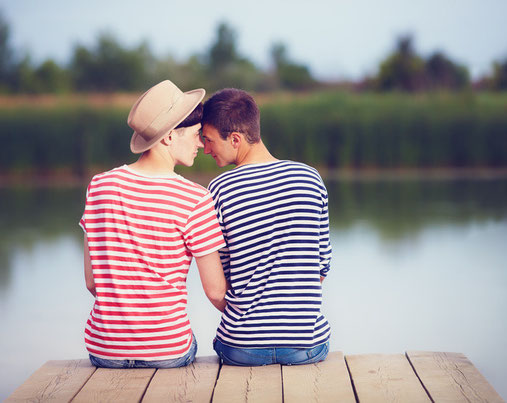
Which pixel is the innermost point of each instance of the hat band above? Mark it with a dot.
(158, 123)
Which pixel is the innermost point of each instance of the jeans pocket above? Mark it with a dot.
(318, 353)
(228, 361)
(105, 363)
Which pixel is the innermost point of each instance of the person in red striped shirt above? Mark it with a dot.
(143, 224)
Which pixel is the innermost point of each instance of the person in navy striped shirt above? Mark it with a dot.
(274, 217)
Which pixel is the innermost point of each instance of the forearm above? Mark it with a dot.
(213, 280)
(88, 273)
(220, 304)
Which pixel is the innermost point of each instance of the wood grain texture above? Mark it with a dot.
(116, 385)
(447, 377)
(193, 383)
(54, 381)
(249, 384)
(385, 378)
(451, 377)
(326, 381)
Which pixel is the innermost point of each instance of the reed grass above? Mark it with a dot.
(326, 129)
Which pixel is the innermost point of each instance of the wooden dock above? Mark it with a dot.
(412, 377)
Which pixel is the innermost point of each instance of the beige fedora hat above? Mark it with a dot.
(158, 111)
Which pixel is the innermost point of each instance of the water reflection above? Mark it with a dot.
(28, 216)
(396, 209)
(417, 265)
(402, 208)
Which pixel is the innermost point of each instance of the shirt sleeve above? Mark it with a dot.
(82, 221)
(202, 233)
(224, 254)
(324, 240)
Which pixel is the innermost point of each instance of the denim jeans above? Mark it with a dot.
(265, 356)
(174, 363)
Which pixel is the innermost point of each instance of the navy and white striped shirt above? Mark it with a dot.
(274, 217)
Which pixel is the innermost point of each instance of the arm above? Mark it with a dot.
(325, 250)
(90, 283)
(213, 279)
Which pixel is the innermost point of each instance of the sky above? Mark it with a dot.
(336, 39)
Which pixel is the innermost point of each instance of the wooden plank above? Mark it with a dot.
(385, 378)
(54, 381)
(249, 384)
(116, 385)
(451, 377)
(326, 381)
(193, 383)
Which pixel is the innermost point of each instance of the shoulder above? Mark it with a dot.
(114, 173)
(191, 187)
(221, 180)
(303, 173)
(299, 165)
(302, 168)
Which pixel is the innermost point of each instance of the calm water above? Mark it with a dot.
(417, 265)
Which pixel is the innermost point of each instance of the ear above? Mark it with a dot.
(236, 139)
(167, 139)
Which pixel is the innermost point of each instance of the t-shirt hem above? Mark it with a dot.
(82, 227)
(207, 252)
(127, 357)
(271, 345)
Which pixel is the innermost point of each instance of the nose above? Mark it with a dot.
(200, 143)
(207, 149)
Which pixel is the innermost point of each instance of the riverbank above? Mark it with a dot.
(65, 178)
(338, 130)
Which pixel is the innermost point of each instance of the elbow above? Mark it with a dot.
(217, 296)
(90, 285)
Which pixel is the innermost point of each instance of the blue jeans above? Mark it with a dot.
(174, 363)
(265, 356)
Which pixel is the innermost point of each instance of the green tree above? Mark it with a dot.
(403, 70)
(226, 67)
(189, 74)
(50, 77)
(223, 53)
(441, 72)
(289, 75)
(6, 56)
(110, 67)
(24, 77)
(499, 78)
(279, 54)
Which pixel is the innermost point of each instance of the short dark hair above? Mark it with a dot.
(192, 119)
(232, 110)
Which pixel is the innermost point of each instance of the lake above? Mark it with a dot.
(417, 265)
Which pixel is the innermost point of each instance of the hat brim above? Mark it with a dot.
(177, 114)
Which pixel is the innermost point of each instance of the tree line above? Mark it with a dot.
(107, 66)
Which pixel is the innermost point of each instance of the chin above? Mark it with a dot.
(186, 163)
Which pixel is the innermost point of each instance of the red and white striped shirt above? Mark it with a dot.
(142, 233)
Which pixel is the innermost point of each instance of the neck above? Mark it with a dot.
(154, 162)
(254, 154)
